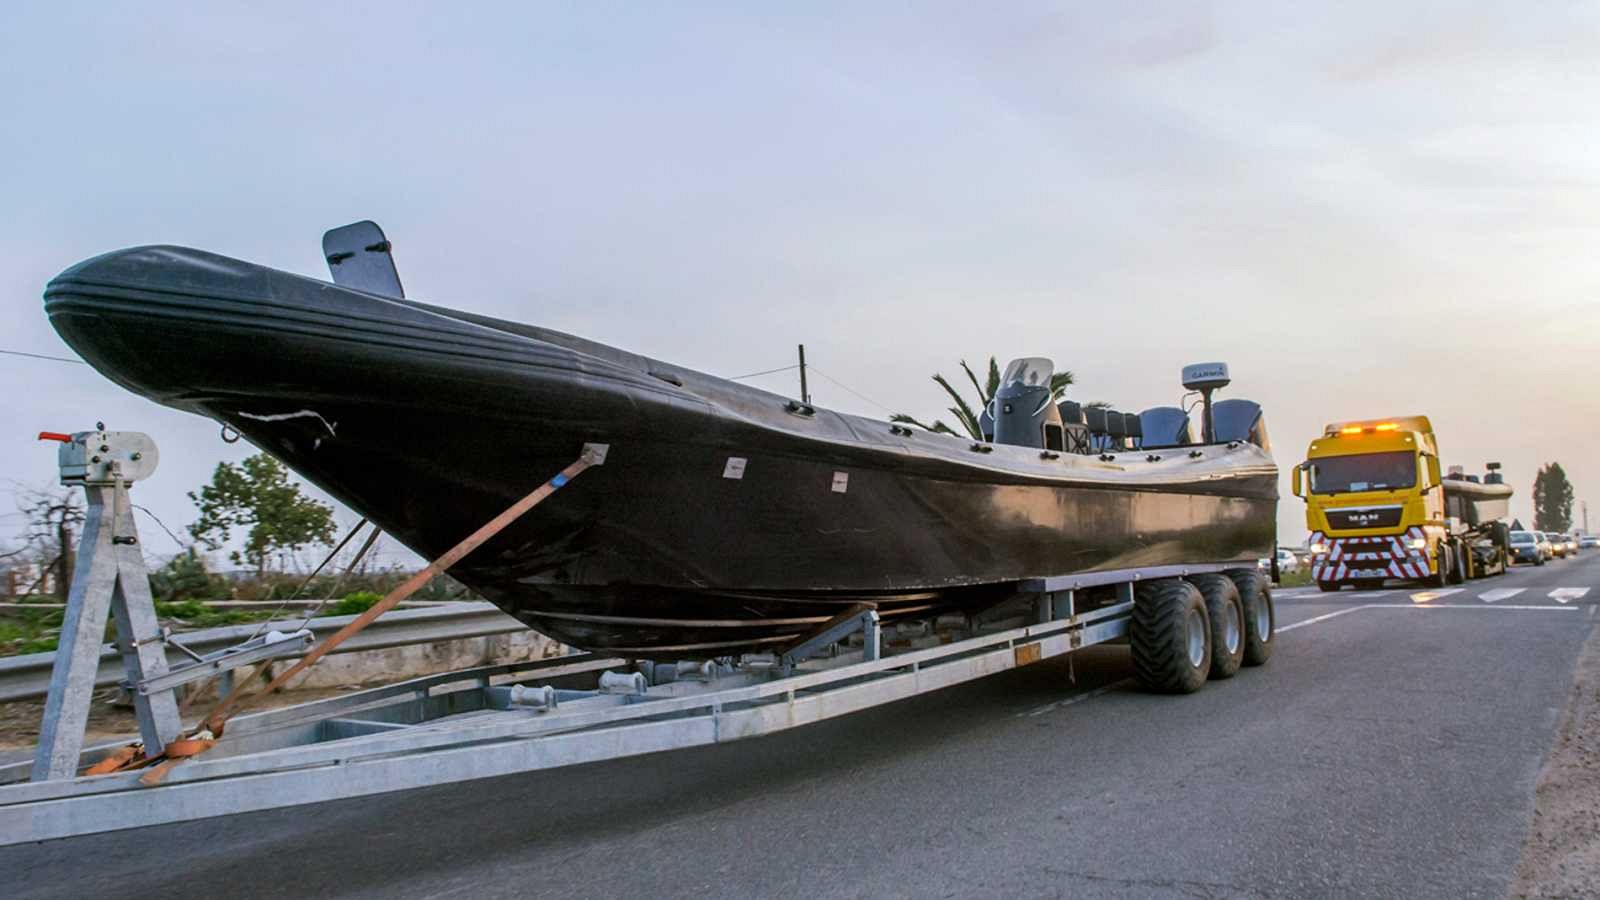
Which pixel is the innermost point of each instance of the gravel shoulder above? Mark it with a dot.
(1562, 855)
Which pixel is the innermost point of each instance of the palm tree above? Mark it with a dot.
(1059, 382)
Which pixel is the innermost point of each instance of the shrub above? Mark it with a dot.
(185, 577)
(353, 604)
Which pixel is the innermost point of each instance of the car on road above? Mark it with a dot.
(1572, 544)
(1587, 541)
(1287, 562)
(1556, 548)
(1525, 548)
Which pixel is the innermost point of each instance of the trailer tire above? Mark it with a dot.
(1260, 617)
(1170, 637)
(1226, 611)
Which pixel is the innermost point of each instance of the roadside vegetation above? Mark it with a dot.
(255, 508)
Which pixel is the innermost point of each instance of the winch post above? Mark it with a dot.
(109, 580)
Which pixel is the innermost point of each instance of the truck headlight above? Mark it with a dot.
(1318, 549)
(1417, 543)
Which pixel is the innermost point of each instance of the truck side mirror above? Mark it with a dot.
(1435, 479)
(1294, 481)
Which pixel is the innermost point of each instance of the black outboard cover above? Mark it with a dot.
(1024, 403)
(1241, 420)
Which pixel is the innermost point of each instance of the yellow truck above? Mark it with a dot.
(1379, 507)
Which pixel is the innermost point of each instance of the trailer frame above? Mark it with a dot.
(530, 716)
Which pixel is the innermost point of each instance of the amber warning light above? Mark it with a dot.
(1357, 429)
(55, 436)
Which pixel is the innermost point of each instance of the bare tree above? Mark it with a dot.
(54, 516)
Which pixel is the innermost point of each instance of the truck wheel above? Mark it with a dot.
(1441, 578)
(1170, 637)
(1260, 619)
(1329, 586)
(1458, 572)
(1226, 612)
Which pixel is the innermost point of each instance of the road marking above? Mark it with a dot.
(1565, 595)
(1106, 689)
(1322, 618)
(1430, 596)
(1078, 698)
(1510, 606)
(1498, 594)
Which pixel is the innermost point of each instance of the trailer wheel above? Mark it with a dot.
(1170, 637)
(1260, 618)
(1226, 612)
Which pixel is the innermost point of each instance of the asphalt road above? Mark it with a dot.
(1390, 748)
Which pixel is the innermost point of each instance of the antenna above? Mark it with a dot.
(1206, 378)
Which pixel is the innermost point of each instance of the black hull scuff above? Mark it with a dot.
(723, 518)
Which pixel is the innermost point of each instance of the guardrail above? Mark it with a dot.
(27, 676)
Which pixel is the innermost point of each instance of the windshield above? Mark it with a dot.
(1363, 472)
(1033, 371)
(1521, 537)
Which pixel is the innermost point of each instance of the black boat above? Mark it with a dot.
(724, 518)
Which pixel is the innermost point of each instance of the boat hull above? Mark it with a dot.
(723, 518)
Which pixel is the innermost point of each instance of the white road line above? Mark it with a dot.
(1566, 595)
(1510, 606)
(1430, 596)
(1322, 618)
(1078, 698)
(1498, 594)
(1128, 682)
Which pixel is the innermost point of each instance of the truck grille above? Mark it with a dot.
(1364, 517)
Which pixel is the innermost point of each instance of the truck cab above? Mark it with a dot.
(1374, 503)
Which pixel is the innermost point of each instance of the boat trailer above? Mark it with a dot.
(529, 716)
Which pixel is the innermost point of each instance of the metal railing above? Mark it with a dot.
(27, 676)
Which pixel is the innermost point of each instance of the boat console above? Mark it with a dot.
(1023, 414)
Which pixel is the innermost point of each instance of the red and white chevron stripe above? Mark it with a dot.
(1388, 552)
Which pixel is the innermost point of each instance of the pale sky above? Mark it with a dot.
(1372, 210)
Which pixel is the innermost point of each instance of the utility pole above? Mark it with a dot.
(1584, 504)
(805, 395)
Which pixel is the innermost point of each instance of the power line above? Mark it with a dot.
(767, 372)
(43, 356)
(851, 390)
(175, 539)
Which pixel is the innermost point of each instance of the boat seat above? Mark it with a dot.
(1075, 427)
(1135, 428)
(1165, 426)
(1095, 418)
(1116, 430)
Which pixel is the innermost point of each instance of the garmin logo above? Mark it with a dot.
(1202, 376)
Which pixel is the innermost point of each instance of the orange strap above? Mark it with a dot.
(214, 722)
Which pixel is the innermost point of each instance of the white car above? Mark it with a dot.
(1287, 562)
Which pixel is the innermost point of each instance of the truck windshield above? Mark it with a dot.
(1364, 472)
